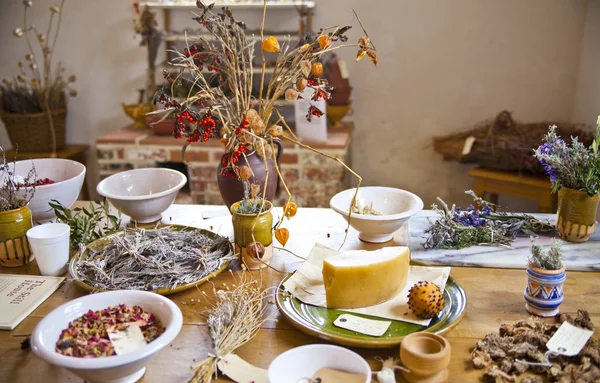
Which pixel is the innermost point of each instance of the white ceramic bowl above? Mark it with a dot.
(68, 177)
(125, 368)
(303, 362)
(396, 206)
(142, 194)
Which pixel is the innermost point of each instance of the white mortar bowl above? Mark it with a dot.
(142, 194)
(304, 361)
(125, 368)
(68, 177)
(396, 206)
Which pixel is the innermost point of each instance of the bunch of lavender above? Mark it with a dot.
(571, 166)
(457, 229)
(16, 191)
(547, 260)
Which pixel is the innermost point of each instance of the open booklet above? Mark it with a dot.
(21, 294)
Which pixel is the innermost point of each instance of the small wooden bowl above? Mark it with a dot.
(427, 356)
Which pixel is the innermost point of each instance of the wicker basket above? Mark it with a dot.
(30, 133)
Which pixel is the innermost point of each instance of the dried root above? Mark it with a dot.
(526, 340)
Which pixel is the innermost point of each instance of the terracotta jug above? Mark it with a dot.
(232, 189)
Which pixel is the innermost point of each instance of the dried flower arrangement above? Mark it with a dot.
(526, 340)
(38, 88)
(547, 260)
(87, 225)
(146, 26)
(572, 166)
(228, 109)
(457, 229)
(16, 191)
(234, 318)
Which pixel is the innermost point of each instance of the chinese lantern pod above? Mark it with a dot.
(282, 235)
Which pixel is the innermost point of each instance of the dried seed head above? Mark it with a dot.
(276, 131)
(270, 44)
(72, 92)
(55, 9)
(29, 57)
(301, 83)
(18, 32)
(41, 37)
(72, 78)
(317, 69)
(256, 250)
(21, 77)
(305, 67)
(35, 82)
(7, 82)
(27, 3)
(291, 95)
(245, 173)
(324, 41)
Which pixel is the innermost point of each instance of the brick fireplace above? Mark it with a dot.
(312, 179)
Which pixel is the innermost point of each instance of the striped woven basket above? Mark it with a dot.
(30, 133)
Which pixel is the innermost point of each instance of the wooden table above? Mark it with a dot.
(70, 152)
(494, 182)
(495, 296)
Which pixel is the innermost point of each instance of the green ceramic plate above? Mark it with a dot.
(318, 321)
(103, 241)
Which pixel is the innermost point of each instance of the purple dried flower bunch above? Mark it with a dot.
(572, 166)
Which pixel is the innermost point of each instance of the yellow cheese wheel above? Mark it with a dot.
(360, 278)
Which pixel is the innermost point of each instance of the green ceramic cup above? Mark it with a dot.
(14, 247)
(263, 233)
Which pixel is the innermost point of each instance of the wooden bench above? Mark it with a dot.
(532, 187)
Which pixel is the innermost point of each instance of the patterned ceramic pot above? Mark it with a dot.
(576, 216)
(14, 247)
(244, 236)
(544, 291)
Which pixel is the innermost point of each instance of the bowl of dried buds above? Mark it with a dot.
(54, 179)
(378, 211)
(109, 336)
(142, 194)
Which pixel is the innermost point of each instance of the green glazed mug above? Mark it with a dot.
(243, 235)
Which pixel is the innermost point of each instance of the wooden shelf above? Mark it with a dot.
(181, 4)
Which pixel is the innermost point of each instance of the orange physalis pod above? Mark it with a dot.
(291, 95)
(245, 173)
(361, 53)
(270, 44)
(324, 41)
(373, 56)
(317, 69)
(282, 234)
(290, 209)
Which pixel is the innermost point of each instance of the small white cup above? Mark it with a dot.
(50, 245)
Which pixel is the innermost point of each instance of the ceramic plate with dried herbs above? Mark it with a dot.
(164, 260)
(318, 321)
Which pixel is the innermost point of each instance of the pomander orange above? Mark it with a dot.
(425, 299)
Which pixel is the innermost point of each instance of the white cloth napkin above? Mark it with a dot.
(307, 286)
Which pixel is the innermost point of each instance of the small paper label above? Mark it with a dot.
(238, 370)
(343, 69)
(362, 325)
(568, 340)
(468, 145)
(126, 338)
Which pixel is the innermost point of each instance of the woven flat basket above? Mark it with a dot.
(30, 133)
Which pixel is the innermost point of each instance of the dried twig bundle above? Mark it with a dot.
(154, 259)
(234, 318)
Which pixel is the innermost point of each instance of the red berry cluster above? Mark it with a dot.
(319, 94)
(237, 153)
(228, 172)
(206, 128)
(245, 125)
(313, 111)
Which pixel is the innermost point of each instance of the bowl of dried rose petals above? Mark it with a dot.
(56, 179)
(109, 336)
